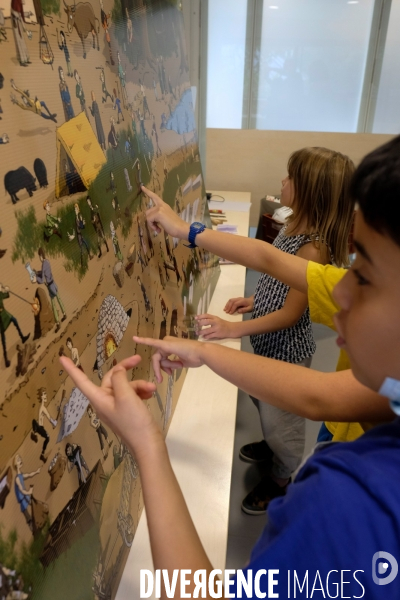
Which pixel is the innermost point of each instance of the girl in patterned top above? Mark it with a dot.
(316, 188)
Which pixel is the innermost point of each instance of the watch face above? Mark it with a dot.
(197, 226)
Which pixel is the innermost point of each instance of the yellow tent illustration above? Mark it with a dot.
(79, 156)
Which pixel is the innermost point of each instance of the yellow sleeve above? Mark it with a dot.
(321, 280)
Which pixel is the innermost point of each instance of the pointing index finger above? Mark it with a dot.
(156, 199)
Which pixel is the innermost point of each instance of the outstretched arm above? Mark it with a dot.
(312, 394)
(118, 403)
(254, 254)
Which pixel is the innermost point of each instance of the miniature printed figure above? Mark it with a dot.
(79, 226)
(112, 136)
(105, 92)
(142, 261)
(63, 46)
(121, 75)
(115, 242)
(18, 26)
(5, 319)
(162, 280)
(128, 182)
(46, 276)
(94, 109)
(52, 223)
(98, 225)
(142, 240)
(147, 302)
(149, 238)
(24, 496)
(65, 96)
(100, 430)
(34, 106)
(38, 426)
(75, 459)
(117, 105)
(74, 353)
(80, 94)
(104, 23)
(144, 100)
(129, 28)
(4, 139)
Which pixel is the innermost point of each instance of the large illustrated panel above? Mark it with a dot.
(94, 100)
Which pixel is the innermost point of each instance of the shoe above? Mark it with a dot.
(257, 452)
(58, 327)
(43, 458)
(8, 363)
(25, 338)
(257, 501)
(63, 317)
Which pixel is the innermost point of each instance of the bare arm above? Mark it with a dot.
(254, 254)
(312, 394)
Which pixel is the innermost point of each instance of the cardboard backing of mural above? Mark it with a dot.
(94, 100)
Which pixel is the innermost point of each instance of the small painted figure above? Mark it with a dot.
(155, 134)
(100, 430)
(79, 226)
(45, 276)
(36, 106)
(162, 280)
(18, 26)
(65, 96)
(62, 44)
(5, 320)
(142, 261)
(117, 105)
(155, 90)
(75, 459)
(105, 92)
(147, 303)
(24, 496)
(144, 99)
(129, 28)
(74, 353)
(112, 136)
(149, 238)
(94, 109)
(52, 223)
(142, 127)
(4, 139)
(80, 94)
(104, 23)
(142, 240)
(38, 427)
(122, 75)
(115, 242)
(98, 225)
(127, 181)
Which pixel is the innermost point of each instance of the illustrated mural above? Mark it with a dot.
(94, 100)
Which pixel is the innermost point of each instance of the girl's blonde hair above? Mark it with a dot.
(321, 180)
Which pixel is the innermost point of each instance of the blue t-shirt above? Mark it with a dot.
(343, 508)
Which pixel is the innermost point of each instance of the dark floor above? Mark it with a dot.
(244, 529)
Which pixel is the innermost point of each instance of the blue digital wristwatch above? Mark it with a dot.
(195, 228)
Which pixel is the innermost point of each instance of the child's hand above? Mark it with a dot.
(118, 402)
(216, 328)
(239, 305)
(188, 354)
(162, 214)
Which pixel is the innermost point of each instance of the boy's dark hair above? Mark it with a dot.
(42, 253)
(376, 188)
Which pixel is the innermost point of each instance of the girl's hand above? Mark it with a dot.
(188, 353)
(118, 402)
(239, 305)
(215, 328)
(162, 215)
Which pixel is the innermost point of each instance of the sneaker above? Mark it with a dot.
(257, 452)
(257, 501)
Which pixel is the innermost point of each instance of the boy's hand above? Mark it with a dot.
(216, 328)
(189, 353)
(162, 215)
(118, 402)
(239, 305)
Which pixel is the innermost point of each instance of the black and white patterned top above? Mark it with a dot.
(295, 343)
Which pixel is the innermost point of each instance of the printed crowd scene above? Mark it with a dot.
(95, 100)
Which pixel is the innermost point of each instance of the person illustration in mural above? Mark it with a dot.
(18, 27)
(142, 240)
(4, 139)
(112, 136)
(105, 93)
(74, 353)
(129, 148)
(165, 168)
(5, 320)
(100, 430)
(167, 245)
(170, 88)
(80, 94)
(104, 18)
(122, 75)
(155, 90)
(79, 227)
(161, 275)
(129, 28)
(45, 276)
(71, 177)
(65, 96)
(62, 44)
(33, 105)
(142, 127)
(144, 100)
(155, 134)
(134, 129)
(147, 304)
(142, 261)
(38, 426)
(115, 242)
(24, 496)
(117, 105)
(95, 112)
(113, 185)
(164, 314)
(98, 225)
(149, 238)
(177, 273)
(163, 122)
(75, 459)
